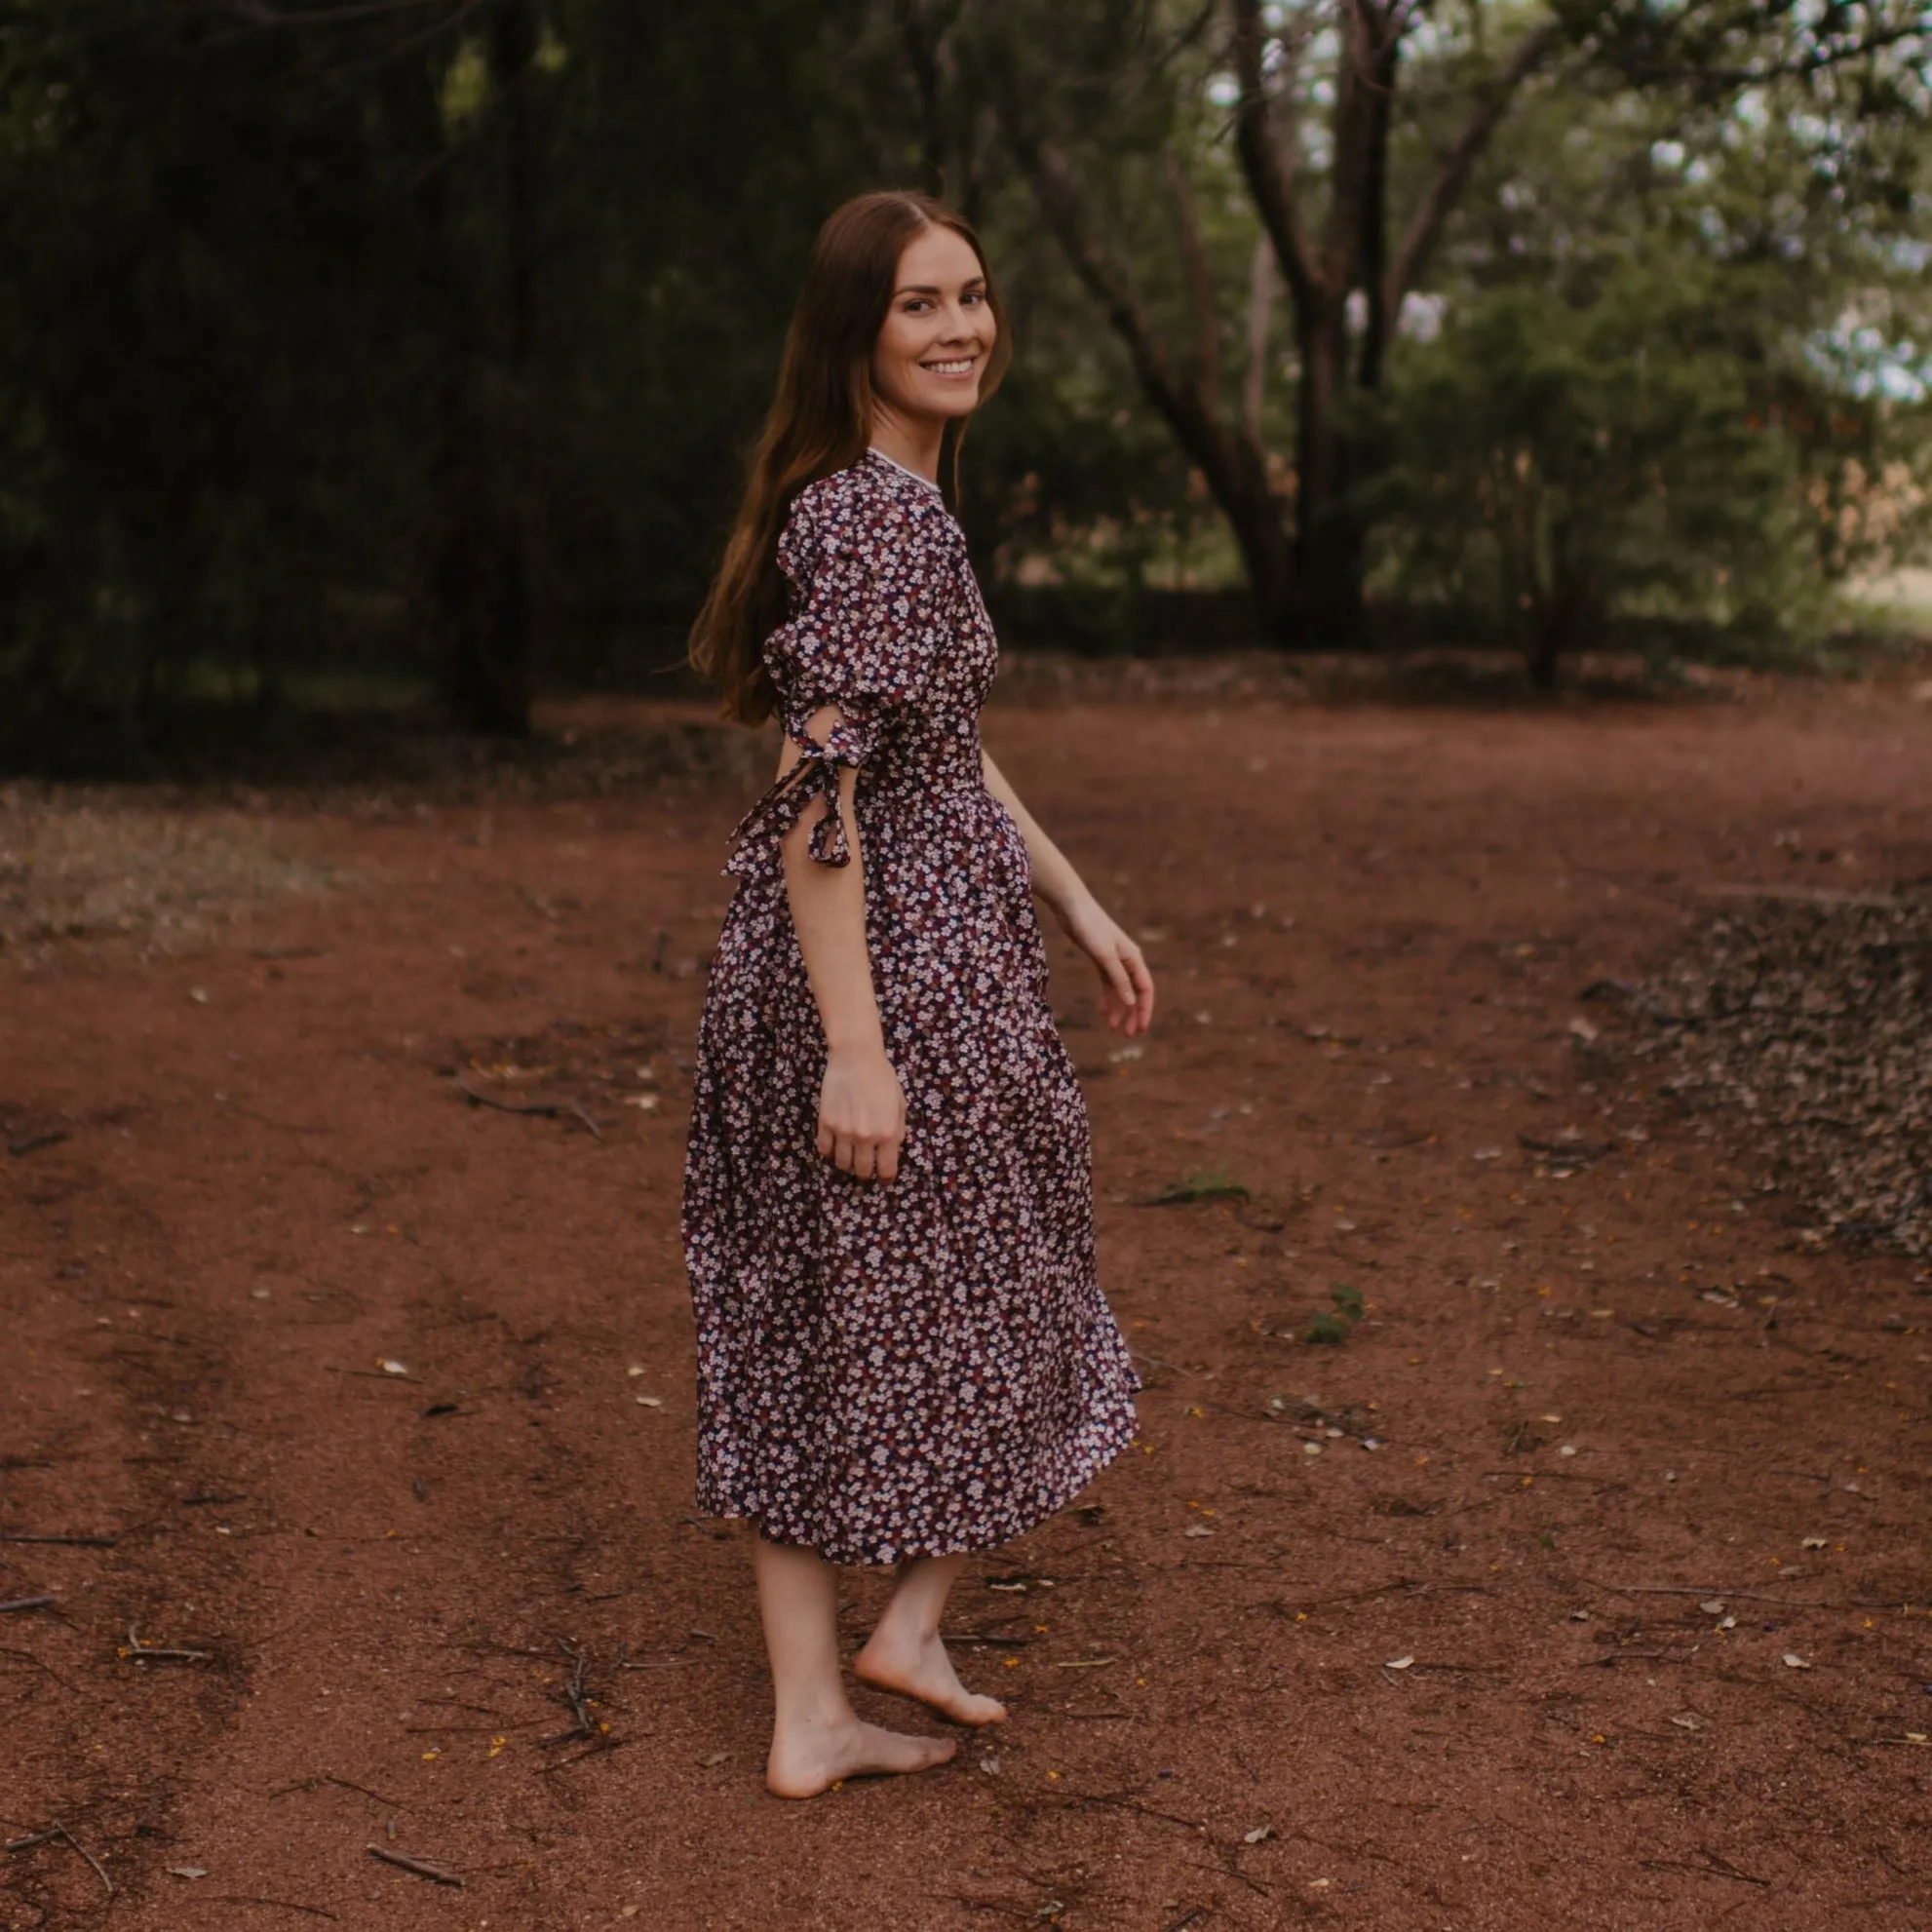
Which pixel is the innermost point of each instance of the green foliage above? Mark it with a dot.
(1200, 1183)
(1331, 1328)
(376, 346)
(1637, 415)
(1562, 465)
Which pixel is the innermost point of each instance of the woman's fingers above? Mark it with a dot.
(866, 1156)
(1144, 994)
(1113, 978)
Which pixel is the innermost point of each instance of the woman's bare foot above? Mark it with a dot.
(808, 1759)
(919, 1667)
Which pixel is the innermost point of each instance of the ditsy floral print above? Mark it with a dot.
(905, 1369)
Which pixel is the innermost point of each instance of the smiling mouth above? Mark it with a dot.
(963, 367)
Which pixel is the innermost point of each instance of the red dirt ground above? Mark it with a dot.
(1372, 926)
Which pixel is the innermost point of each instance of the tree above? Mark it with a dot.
(1346, 264)
(1358, 127)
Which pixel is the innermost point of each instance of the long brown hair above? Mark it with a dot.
(821, 421)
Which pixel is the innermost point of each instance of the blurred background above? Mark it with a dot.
(405, 354)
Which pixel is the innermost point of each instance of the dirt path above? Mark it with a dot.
(1605, 1387)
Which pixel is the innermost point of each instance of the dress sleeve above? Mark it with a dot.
(867, 628)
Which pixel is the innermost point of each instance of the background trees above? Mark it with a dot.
(343, 339)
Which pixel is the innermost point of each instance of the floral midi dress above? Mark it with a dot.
(906, 1369)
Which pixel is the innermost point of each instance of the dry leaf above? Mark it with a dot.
(1399, 1663)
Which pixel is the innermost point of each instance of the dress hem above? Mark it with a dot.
(917, 1550)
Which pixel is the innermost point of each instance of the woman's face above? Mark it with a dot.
(937, 333)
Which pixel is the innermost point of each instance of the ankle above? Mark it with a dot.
(901, 1632)
(821, 1711)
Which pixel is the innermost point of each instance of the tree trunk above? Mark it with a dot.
(1329, 540)
(481, 578)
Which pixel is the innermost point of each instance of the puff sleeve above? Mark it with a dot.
(869, 596)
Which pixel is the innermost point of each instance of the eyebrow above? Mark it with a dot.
(929, 288)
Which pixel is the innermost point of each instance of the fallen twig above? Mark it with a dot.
(280, 1905)
(1719, 1868)
(575, 1694)
(25, 1604)
(141, 1651)
(58, 1830)
(1718, 1590)
(31, 1144)
(345, 1784)
(548, 1109)
(27, 1657)
(1132, 1804)
(421, 1867)
(72, 1542)
(600, 1747)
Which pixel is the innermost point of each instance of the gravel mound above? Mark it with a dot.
(1812, 1019)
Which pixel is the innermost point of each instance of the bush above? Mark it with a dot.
(1556, 466)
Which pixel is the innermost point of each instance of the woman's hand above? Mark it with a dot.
(862, 1113)
(1127, 988)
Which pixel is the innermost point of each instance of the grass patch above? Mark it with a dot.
(1334, 1325)
(1200, 1183)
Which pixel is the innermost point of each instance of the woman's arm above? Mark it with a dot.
(1127, 988)
(862, 1107)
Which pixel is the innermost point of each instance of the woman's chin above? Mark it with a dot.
(959, 399)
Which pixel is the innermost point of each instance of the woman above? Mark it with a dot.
(903, 1353)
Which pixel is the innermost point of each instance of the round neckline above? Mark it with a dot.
(924, 483)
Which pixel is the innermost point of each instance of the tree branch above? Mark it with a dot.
(1200, 285)
(1452, 176)
(1649, 48)
(258, 14)
(1266, 160)
(1105, 279)
(1819, 60)
(1262, 273)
